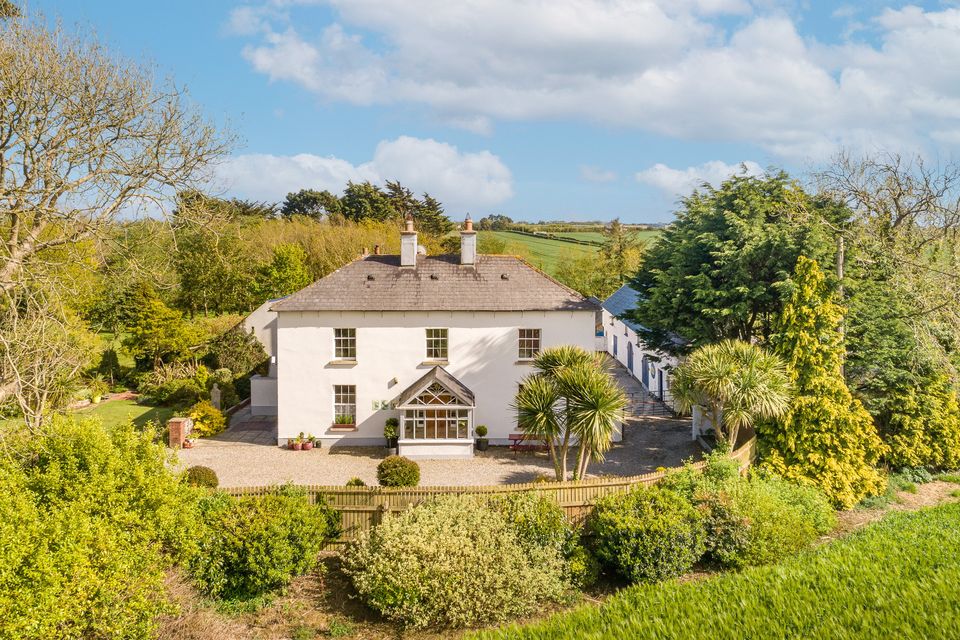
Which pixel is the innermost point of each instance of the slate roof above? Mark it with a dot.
(438, 283)
(444, 377)
(622, 300)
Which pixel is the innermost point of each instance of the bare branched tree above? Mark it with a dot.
(86, 139)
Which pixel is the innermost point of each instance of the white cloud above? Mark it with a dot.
(680, 182)
(596, 174)
(463, 181)
(667, 66)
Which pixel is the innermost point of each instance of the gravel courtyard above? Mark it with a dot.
(648, 443)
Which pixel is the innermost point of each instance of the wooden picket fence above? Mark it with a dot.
(362, 508)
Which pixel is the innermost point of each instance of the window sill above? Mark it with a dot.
(435, 440)
(524, 361)
(342, 363)
(433, 363)
(343, 427)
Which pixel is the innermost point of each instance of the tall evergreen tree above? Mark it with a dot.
(827, 438)
(717, 271)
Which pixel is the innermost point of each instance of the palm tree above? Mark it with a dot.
(570, 396)
(736, 383)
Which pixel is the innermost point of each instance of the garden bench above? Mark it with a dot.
(521, 442)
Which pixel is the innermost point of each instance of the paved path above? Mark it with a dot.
(247, 455)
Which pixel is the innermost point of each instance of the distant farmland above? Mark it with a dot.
(546, 253)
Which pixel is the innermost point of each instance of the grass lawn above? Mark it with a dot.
(897, 578)
(543, 253)
(119, 411)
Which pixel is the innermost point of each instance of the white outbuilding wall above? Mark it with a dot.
(391, 355)
(622, 341)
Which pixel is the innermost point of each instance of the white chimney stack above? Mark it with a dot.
(468, 243)
(408, 243)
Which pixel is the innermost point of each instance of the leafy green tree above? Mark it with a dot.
(311, 203)
(155, 332)
(620, 251)
(495, 222)
(366, 201)
(570, 397)
(431, 218)
(213, 269)
(717, 271)
(899, 366)
(826, 438)
(285, 273)
(601, 273)
(737, 384)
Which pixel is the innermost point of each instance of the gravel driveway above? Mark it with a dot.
(244, 456)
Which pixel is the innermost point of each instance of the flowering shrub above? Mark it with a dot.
(207, 419)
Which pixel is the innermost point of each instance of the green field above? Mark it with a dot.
(543, 253)
(646, 235)
(894, 579)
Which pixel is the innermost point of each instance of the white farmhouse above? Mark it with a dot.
(440, 342)
(623, 342)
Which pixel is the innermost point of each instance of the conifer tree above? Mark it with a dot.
(827, 438)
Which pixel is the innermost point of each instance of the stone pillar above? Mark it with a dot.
(215, 395)
(179, 429)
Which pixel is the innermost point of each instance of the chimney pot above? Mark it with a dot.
(376, 250)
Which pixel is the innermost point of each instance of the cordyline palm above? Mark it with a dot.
(736, 383)
(570, 396)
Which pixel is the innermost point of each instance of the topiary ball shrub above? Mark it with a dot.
(452, 562)
(256, 545)
(397, 471)
(200, 476)
(356, 482)
(207, 419)
(646, 535)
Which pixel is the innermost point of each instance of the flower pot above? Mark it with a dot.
(391, 451)
(307, 446)
(391, 443)
(482, 444)
(188, 444)
(297, 446)
(96, 399)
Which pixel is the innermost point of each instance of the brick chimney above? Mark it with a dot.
(468, 243)
(408, 243)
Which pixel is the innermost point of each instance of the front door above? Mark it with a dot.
(645, 373)
(660, 383)
(630, 356)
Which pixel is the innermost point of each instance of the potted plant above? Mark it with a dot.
(98, 388)
(344, 421)
(390, 432)
(309, 442)
(188, 443)
(482, 442)
(297, 443)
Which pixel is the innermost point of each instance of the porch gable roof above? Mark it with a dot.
(439, 375)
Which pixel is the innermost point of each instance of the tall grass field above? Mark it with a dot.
(898, 578)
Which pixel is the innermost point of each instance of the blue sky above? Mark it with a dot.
(545, 109)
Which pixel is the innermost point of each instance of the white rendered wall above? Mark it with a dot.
(263, 396)
(391, 355)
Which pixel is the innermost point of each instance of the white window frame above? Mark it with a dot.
(347, 342)
(344, 402)
(433, 351)
(527, 342)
